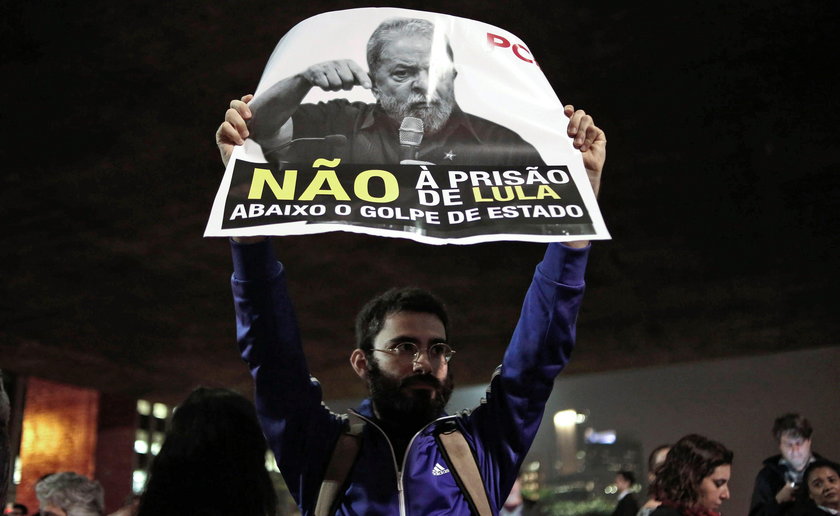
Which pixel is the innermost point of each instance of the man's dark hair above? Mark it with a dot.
(386, 31)
(690, 460)
(792, 424)
(628, 476)
(371, 318)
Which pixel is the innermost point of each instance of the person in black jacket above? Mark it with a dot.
(820, 490)
(627, 504)
(776, 484)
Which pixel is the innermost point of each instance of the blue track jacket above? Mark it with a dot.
(302, 431)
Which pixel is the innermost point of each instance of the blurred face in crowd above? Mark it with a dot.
(796, 450)
(824, 487)
(621, 483)
(714, 489)
(415, 77)
(657, 461)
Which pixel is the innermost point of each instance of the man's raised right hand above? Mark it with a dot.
(341, 74)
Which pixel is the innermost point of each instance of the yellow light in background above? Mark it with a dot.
(141, 441)
(138, 481)
(160, 410)
(157, 442)
(141, 447)
(565, 434)
(59, 432)
(565, 418)
(144, 408)
(16, 475)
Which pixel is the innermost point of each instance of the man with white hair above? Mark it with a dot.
(70, 494)
(412, 76)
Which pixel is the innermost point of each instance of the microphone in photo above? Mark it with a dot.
(411, 134)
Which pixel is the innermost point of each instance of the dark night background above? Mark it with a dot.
(720, 191)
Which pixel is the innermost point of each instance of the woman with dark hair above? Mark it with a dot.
(694, 479)
(212, 461)
(821, 484)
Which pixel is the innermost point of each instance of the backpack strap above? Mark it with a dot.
(463, 465)
(343, 456)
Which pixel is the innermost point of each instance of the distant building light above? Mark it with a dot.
(565, 418)
(610, 489)
(602, 437)
(141, 447)
(138, 481)
(144, 408)
(141, 441)
(155, 448)
(160, 410)
(16, 475)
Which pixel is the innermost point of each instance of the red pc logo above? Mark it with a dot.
(520, 51)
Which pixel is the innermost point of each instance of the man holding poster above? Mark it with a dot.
(403, 353)
(412, 77)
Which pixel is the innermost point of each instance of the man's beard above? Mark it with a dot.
(411, 409)
(434, 114)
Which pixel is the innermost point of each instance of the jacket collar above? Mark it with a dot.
(365, 409)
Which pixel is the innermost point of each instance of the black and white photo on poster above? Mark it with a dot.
(390, 109)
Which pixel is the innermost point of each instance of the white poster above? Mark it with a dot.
(407, 124)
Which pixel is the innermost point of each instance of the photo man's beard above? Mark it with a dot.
(434, 114)
(397, 402)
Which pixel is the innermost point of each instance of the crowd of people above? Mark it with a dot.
(691, 478)
(215, 446)
(399, 452)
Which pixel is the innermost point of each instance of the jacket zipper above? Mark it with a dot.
(399, 472)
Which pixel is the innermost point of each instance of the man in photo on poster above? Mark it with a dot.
(416, 118)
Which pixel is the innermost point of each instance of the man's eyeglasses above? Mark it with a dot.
(408, 351)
